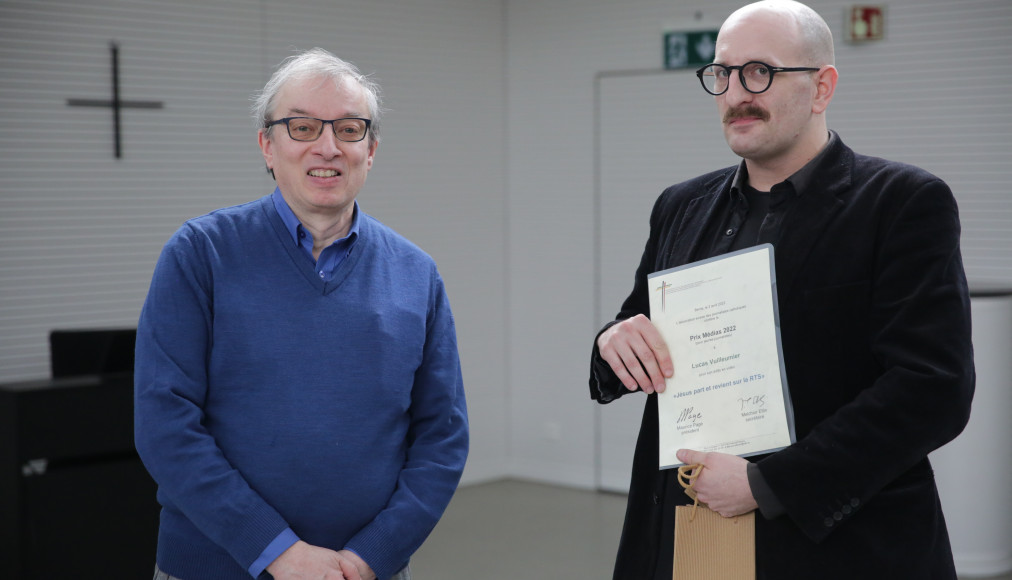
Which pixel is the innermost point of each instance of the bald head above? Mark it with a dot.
(814, 40)
(780, 128)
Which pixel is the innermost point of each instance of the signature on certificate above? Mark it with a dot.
(753, 402)
(689, 414)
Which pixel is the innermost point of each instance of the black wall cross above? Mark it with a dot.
(116, 103)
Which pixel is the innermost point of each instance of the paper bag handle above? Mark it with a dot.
(687, 475)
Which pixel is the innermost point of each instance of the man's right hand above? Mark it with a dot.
(303, 561)
(637, 354)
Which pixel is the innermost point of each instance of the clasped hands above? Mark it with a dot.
(303, 561)
(640, 359)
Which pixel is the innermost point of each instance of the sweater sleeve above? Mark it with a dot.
(171, 383)
(437, 446)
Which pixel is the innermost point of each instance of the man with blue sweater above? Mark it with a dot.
(299, 398)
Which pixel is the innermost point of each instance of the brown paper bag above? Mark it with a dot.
(709, 546)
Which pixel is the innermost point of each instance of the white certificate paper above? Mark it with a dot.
(729, 392)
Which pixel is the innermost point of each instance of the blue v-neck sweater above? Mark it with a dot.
(268, 399)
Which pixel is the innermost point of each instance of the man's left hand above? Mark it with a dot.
(723, 483)
(363, 569)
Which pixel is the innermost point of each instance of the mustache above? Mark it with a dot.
(746, 111)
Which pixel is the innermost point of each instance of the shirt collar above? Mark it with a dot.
(801, 178)
(293, 225)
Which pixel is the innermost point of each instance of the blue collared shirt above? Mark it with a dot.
(331, 256)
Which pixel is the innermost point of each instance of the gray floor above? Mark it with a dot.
(514, 529)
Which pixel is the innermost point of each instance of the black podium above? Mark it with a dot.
(75, 500)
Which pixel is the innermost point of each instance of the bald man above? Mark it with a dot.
(875, 325)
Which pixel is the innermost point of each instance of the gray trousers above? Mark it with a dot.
(404, 574)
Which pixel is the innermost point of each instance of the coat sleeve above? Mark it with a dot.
(605, 387)
(906, 352)
(674, 236)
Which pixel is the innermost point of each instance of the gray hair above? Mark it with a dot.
(312, 64)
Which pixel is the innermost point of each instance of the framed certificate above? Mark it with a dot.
(720, 320)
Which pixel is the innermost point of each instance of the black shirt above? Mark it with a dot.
(750, 217)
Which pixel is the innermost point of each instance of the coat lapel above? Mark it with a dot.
(813, 210)
(700, 216)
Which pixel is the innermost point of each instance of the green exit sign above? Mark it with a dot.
(689, 49)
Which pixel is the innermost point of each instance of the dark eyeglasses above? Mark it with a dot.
(755, 76)
(349, 129)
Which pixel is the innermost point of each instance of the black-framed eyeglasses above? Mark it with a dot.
(348, 129)
(755, 76)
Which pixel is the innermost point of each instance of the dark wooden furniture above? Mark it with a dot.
(75, 500)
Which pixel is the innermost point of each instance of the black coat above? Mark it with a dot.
(875, 323)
